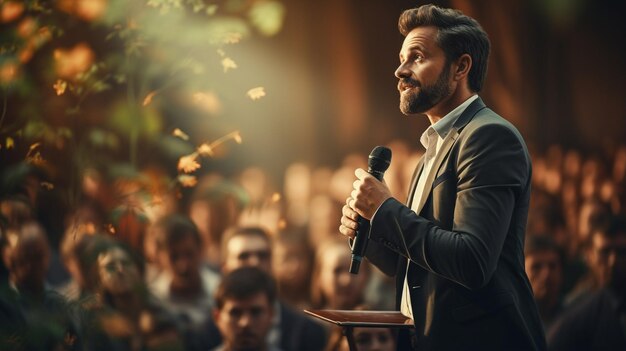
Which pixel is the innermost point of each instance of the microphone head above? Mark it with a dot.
(379, 159)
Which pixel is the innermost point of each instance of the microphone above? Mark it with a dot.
(377, 164)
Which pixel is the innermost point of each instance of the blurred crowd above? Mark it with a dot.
(231, 263)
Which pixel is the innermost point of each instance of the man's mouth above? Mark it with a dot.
(405, 86)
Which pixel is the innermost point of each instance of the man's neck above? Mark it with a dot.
(437, 112)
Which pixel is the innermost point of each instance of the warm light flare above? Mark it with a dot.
(11, 10)
(72, 62)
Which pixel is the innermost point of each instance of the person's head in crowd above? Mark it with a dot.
(544, 261)
(179, 248)
(215, 205)
(80, 247)
(365, 339)
(244, 312)
(247, 246)
(16, 210)
(292, 263)
(607, 252)
(333, 286)
(27, 257)
(127, 314)
(591, 212)
(120, 273)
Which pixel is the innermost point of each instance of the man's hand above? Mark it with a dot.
(367, 196)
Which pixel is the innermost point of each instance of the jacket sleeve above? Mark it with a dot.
(492, 167)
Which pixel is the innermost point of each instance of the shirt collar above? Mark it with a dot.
(443, 126)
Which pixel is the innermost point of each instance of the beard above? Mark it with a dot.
(427, 96)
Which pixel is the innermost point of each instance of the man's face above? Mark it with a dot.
(30, 264)
(608, 259)
(244, 324)
(247, 251)
(182, 260)
(545, 274)
(424, 76)
(374, 339)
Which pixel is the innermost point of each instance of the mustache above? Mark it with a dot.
(402, 83)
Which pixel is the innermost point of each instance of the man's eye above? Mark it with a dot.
(419, 57)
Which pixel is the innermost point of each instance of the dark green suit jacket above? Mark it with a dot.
(466, 277)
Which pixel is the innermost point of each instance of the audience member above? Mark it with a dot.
(123, 316)
(186, 286)
(597, 321)
(40, 318)
(333, 286)
(244, 310)
(292, 263)
(544, 267)
(291, 330)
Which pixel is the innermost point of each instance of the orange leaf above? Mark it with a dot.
(188, 163)
(180, 134)
(148, 99)
(60, 86)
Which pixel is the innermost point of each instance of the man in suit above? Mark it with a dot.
(456, 247)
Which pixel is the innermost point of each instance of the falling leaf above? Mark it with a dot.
(110, 228)
(60, 86)
(256, 93)
(228, 64)
(275, 197)
(188, 163)
(188, 181)
(221, 52)
(180, 134)
(10, 143)
(237, 137)
(47, 186)
(205, 150)
(148, 99)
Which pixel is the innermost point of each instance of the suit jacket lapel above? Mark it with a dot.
(416, 175)
(465, 117)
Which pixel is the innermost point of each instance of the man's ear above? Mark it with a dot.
(462, 67)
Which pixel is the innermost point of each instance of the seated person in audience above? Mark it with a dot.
(597, 321)
(186, 286)
(333, 286)
(544, 267)
(291, 330)
(122, 315)
(244, 310)
(365, 339)
(39, 317)
(292, 262)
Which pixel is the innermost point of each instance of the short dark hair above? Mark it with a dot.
(543, 243)
(244, 231)
(243, 283)
(174, 228)
(609, 225)
(458, 34)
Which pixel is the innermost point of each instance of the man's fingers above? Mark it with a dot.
(349, 212)
(347, 231)
(360, 173)
(349, 223)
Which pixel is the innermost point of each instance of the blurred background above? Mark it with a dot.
(115, 113)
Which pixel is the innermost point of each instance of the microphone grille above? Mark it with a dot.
(379, 159)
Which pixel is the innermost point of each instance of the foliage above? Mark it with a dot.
(96, 84)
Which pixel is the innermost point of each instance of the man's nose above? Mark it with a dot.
(245, 320)
(402, 71)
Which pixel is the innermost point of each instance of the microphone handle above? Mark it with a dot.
(359, 244)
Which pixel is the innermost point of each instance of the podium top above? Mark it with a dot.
(365, 319)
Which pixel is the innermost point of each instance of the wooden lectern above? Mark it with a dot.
(348, 320)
